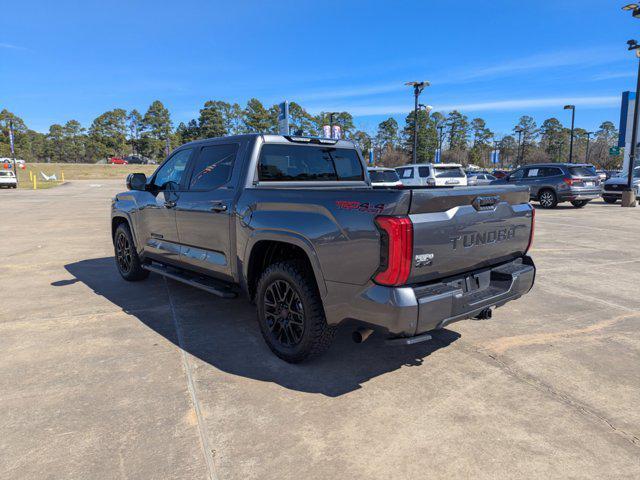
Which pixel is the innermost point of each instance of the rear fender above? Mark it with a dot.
(284, 237)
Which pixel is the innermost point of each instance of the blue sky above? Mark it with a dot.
(499, 60)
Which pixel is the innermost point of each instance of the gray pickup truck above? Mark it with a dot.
(294, 223)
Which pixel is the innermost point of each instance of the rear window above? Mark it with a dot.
(308, 164)
(378, 176)
(6, 174)
(448, 172)
(582, 171)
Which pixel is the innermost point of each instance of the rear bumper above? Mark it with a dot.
(579, 194)
(411, 311)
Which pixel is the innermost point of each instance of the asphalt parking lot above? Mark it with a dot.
(100, 378)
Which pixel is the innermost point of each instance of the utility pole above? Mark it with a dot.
(418, 87)
(573, 117)
(13, 153)
(440, 131)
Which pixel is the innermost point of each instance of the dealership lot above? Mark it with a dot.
(100, 378)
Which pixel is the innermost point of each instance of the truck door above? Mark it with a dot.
(204, 210)
(157, 217)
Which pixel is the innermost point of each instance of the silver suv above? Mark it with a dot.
(553, 183)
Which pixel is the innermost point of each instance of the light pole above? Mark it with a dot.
(331, 114)
(519, 131)
(629, 196)
(586, 155)
(418, 87)
(573, 117)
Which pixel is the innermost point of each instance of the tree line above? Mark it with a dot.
(119, 132)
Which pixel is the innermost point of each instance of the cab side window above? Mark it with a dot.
(406, 172)
(172, 170)
(517, 175)
(213, 167)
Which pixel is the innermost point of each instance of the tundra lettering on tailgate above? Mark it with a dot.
(475, 239)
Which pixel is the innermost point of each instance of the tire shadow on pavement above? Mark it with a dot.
(224, 333)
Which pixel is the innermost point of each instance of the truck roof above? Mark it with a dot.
(272, 138)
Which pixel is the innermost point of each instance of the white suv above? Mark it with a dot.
(8, 179)
(433, 175)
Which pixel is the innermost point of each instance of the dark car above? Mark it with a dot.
(294, 223)
(553, 183)
(612, 189)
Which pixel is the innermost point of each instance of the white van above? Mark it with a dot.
(432, 175)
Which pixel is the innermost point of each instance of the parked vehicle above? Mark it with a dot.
(136, 159)
(553, 183)
(612, 189)
(382, 177)
(432, 175)
(500, 173)
(295, 224)
(472, 181)
(117, 161)
(481, 179)
(8, 179)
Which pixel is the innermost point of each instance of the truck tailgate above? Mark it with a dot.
(463, 229)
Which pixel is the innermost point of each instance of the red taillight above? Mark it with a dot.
(568, 181)
(396, 250)
(533, 228)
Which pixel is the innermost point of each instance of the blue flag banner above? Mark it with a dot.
(495, 156)
(437, 157)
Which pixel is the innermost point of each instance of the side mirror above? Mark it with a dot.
(137, 181)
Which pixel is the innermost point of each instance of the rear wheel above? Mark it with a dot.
(290, 312)
(127, 259)
(610, 200)
(579, 203)
(547, 199)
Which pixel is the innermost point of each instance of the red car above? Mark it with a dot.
(117, 161)
(500, 173)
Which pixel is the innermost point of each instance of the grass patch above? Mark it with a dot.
(41, 185)
(83, 171)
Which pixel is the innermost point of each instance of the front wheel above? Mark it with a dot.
(290, 312)
(579, 203)
(547, 199)
(127, 259)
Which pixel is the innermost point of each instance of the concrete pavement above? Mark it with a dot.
(100, 378)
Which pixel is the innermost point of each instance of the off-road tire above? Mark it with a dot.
(131, 268)
(579, 203)
(610, 200)
(316, 336)
(547, 198)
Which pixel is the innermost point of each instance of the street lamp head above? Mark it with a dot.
(631, 6)
(569, 107)
(418, 84)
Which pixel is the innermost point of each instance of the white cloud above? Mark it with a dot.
(10, 46)
(613, 75)
(513, 67)
(492, 106)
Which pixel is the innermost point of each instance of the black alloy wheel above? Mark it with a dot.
(284, 313)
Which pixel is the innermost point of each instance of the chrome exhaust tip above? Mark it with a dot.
(361, 334)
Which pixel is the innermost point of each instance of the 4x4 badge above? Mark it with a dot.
(424, 259)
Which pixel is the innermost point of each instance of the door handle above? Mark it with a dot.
(169, 204)
(218, 207)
